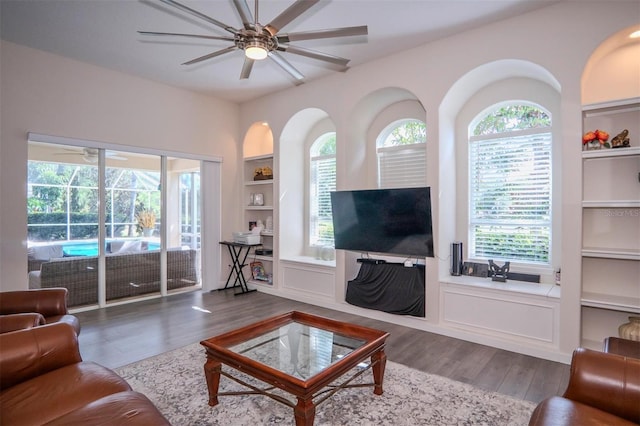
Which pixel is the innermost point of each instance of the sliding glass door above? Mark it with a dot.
(62, 220)
(183, 223)
(133, 217)
(151, 221)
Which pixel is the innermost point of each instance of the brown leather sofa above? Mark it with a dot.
(604, 389)
(30, 308)
(45, 382)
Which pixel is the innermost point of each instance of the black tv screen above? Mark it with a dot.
(396, 221)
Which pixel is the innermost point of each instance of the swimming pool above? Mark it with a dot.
(90, 248)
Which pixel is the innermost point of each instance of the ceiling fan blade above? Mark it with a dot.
(315, 55)
(111, 155)
(153, 33)
(329, 33)
(211, 55)
(291, 13)
(200, 15)
(246, 68)
(245, 14)
(287, 67)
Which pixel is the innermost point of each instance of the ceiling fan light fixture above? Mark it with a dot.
(90, 155)
(256, 50)
(258, 41)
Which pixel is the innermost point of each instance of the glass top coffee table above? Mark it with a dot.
(307, 356)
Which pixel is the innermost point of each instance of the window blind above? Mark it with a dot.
(402, 166)
(323, 182)
(510, 196)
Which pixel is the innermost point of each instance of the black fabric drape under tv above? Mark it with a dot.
(389, 287)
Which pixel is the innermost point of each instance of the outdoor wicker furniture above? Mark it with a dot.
(127, 274)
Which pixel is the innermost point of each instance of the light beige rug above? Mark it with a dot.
(175, 382)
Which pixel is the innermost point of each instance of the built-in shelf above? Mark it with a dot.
(611, 152)
(611, 107)
(262, 257)
(604, 204)
(607, 253)
(258, 282)
(259, 182)
(261, 213)
(611, 302)
(610, 208)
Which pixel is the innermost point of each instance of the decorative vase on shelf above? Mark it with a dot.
(630, 330)
(590, 146)
(147, 232)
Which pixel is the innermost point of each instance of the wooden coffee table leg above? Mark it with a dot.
(305, 412)
(212, 370)
(378, 370)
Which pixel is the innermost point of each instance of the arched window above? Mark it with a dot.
(322, 180)
(510, 184)
(402, 155)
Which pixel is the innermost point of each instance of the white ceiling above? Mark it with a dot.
(104, 33)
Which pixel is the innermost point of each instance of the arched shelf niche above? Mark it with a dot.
(258, 140)
(612, 71)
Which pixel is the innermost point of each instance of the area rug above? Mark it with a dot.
(175, 382)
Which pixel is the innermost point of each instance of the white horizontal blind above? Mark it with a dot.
(402, 166)
(323, 182)
(510, 196)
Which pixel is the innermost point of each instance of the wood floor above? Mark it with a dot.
(118, 335)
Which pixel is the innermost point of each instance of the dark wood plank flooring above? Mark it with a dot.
(119, 335)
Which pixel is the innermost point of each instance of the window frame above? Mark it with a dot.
(543, 268)
(311, 181)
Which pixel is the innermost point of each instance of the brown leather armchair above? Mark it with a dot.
(604, 389)
(13, 322)
(49, 303)
(45, 381)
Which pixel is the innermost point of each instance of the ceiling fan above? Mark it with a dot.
(261, 41)
(90, 155)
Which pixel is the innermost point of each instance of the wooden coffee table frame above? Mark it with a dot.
(306, 391)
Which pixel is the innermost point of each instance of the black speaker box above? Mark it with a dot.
(456, 258)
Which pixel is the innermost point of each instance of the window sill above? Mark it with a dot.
(511, 286)
(308, 260)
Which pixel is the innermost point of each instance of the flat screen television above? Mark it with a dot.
(394, 221)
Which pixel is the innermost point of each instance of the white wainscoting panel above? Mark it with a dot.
(529, 317)
(312, 280)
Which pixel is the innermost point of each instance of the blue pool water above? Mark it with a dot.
(90, 248)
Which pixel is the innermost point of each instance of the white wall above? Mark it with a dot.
(552, 44)
(52, 95)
